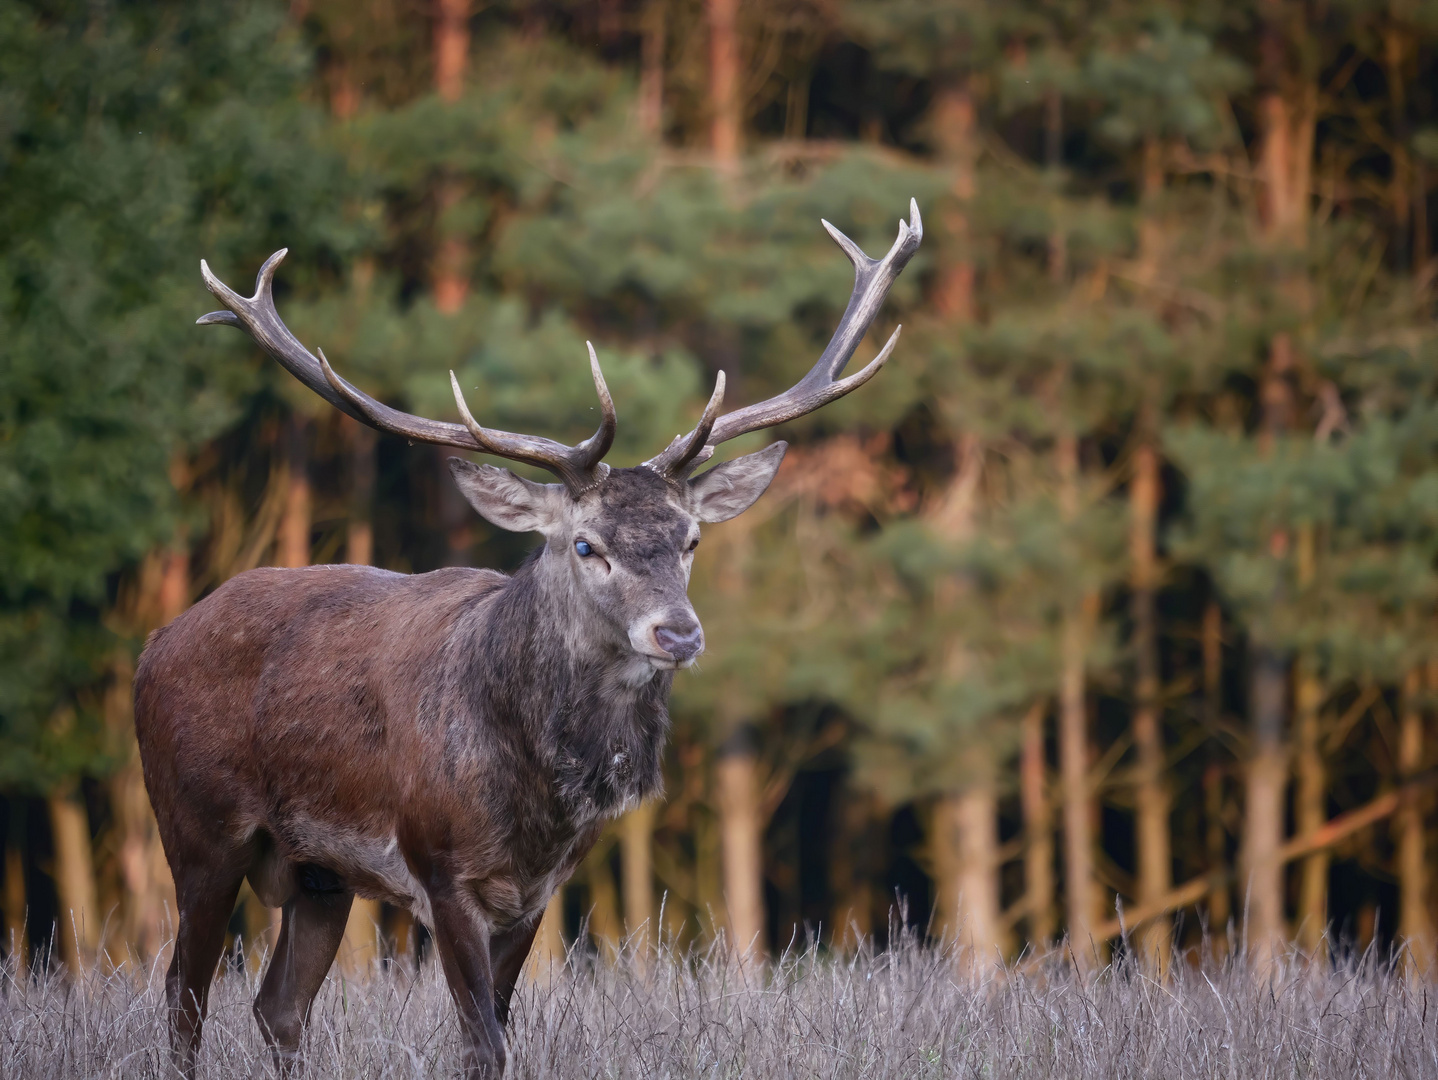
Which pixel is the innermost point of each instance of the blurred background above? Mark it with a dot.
(1115, 592)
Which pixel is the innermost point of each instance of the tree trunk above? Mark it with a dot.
(1079, 886)
(450, 273)
(1395, 52)
(359, 950)
(149, 909)
(1420, 217)
(451, 47)
(796, 107)
(1212, 644)
(17, 944)
(741, 842)
(710, 870)
(296, 523)
(363, 444)
(148, 913)
(951, 516)
(724, 104)
(1215, 842)
(1152, 803)
(606, 926)
(1287, 120)
(174, 592)
(1262, 876)
(344, 91)
(651, 70)
(1310, 810)
(1038, 830)
(1415, 927)
(1150, 231)
(451, 260)
(850, 865)
(1058, 259)
(1215, 832)
(260, 928)
(1080, 889)
(79, 915)
(964, 837)
(1285, 157)
(965, 855)
(547, 955)
(1287, 116)
(1262, 873)
(954, 123)
(636, 839)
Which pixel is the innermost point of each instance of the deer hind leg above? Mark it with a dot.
(311, 929)
(205, 897)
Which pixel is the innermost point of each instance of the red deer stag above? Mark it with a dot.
(449, 742)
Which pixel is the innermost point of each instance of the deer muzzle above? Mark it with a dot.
(683, 641)
(668, 639)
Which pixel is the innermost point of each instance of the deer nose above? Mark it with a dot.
(681, 642)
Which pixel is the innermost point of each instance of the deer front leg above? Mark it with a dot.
(462, 940)
(508, 952)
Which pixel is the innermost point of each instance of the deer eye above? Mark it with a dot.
(693, 543)
(582, 546)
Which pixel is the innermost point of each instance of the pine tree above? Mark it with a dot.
(1146, 485)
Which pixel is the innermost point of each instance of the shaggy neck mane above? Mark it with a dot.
(550, 679)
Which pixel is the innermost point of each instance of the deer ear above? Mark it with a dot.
(508, 501)
(727, 490)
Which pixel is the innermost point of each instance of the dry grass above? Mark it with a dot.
(902, 1013)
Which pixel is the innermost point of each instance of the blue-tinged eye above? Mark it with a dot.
(582, 546)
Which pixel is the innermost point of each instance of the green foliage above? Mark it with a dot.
(1102, 297)
(1371, 502)
(1114, 228)
(134, 138)
(1167, 83)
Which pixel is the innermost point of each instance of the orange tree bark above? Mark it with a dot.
(741, 846)
(1415, 926)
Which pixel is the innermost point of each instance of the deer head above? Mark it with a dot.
(619, 543)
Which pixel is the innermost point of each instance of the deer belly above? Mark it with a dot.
(319, 856)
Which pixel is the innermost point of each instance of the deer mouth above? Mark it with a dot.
(665, 662)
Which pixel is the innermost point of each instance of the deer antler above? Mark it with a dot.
(872, 280)
(580, 467)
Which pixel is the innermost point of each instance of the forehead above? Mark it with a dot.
(638, 513)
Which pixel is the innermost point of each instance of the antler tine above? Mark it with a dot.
(567, 462)
(257, 316)
(579, 467)
(873, 278)
(597, 445)
(687, 452)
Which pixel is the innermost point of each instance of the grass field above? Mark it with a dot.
(902, 1013)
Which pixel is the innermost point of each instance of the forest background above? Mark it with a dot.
(1115, 593)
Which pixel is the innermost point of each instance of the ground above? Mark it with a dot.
(902, 1014)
